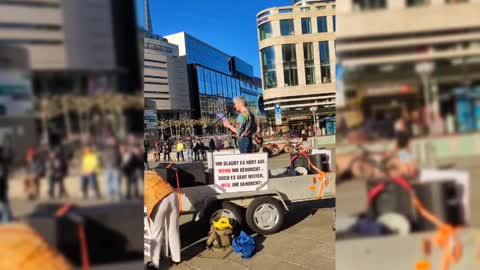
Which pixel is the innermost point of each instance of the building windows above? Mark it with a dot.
(265, 30)
(369, 4)
(208, 85)
(154, 77)
(285, 10)
(304, 9)
(156, 83)
(158, 47)
(325, 62)
(200, 80)
(321, 7)
(334, 18)
(322, 24)
(415, 3)
(287, 28)
(30, 26)
(213, 80)
(290, 64)
(154, 67)
(219, 84)
(155, 61)
(306, 26)
(29, 4)
(309, 63)
(266, 13)
(268, 68)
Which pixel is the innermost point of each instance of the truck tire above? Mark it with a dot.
(225, 209)
(265, 215)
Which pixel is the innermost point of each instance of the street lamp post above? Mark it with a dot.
(425, 70)
(314, 109)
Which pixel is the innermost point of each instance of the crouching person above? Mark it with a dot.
(163, 213)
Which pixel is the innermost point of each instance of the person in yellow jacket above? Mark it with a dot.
(90, 167)
(180, 148)
(163, 212)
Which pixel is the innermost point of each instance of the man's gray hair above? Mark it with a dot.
(241, 100)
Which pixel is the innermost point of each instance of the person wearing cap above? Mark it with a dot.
(163, 212)
(246, 125)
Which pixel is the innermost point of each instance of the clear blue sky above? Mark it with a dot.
(225, 24)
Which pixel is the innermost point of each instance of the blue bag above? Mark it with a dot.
(245, 244)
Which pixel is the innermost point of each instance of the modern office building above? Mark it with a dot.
(381, 44)
(75, 47)
(72, 44)
(297, 57)
(215, 78)
(165, 78)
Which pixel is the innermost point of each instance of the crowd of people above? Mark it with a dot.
(110, 158)
(186, 148)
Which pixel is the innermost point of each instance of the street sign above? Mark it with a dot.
(278, 115)
(278, 119)
(278, 109)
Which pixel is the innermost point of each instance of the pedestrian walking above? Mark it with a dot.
(36, 170)
(196, 150)
(180, 148)
(211, 145)
(112, 161)
(246, 125)
(189, 149)
(158, 151)
(58, 169)
(146, 144)
(203, 151)
(163, 216)
(90, 168)
(145, 160)
(129, 168)
(167, 149)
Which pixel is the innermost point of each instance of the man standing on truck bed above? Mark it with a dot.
(246, 125)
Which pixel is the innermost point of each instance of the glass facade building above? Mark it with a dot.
(215, 77)
(200, 53)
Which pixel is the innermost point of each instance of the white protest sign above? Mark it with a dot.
(244, 172)
(211, 154)
(146, 233)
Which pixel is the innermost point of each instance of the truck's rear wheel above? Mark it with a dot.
(265, 215)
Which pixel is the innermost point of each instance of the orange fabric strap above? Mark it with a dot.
(62, 211)
(179, 192)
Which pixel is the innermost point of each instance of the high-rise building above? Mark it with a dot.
(165, 78)
(215, 77)
(297, 57)
(73, 45)
(381, 45)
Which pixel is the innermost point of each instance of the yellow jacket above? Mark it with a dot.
(155, 189)
(90, 163)
(180, 147)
